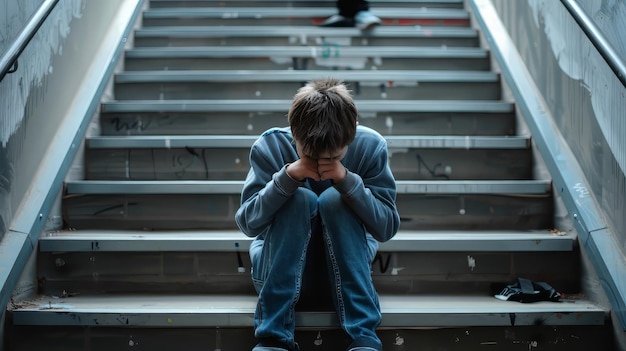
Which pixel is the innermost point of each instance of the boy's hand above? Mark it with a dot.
(303, 168)
(331, 168)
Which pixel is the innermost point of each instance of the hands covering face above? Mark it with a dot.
(331, 168)
(327, 166)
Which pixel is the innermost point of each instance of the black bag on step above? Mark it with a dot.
(524, 290)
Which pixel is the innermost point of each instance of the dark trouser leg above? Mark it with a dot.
(316, 294)
(349, 8)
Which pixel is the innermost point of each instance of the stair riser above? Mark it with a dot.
(484, 273)
(285, 90)
(287, 21)
(510, 338)
(217, 211)
(254, 123)
(165, 41)
(303, 3)
(232, 164)
(301, 63)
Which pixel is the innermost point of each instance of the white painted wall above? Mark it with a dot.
(35, 100)
(585, 97)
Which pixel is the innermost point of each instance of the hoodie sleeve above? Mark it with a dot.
(267, 186)
(371, 192)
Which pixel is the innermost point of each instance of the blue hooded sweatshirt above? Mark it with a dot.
(369, 188)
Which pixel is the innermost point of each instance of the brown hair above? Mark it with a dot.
(323, 116)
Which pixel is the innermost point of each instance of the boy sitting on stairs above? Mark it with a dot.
(318, 198)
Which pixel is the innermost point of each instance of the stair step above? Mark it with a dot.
(332, 55)
(282, 106)
(303, 3)
(433, 204)
(180, 157)
(430, 187)
(418, 211)
(442, 271)
(260, 16)
(246, 141)
(281, 84)
(306, 51)
(160, 117)
(184, 36)
(399, 311)
(235, 241)
(563, 338)
(389, 78)
(317, 51)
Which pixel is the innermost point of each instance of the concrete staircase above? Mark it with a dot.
(151, 259)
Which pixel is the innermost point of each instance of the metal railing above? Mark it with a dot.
(8, 61)
(604, 47)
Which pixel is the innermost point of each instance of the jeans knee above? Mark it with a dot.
(303, 199)
(339, 219)
(330, 202)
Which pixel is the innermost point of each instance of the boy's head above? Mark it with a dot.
(323, 117)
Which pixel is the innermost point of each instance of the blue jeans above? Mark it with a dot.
(279, 257)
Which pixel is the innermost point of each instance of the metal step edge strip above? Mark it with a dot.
(304, 31)
(238, 311)
(283, 106)
(208, 187)
(329, 51)
(261, 76)
(235, 241)
(246, 141)
(235, 13)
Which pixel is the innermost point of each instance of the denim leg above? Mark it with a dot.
(277, 266)
(350, 253)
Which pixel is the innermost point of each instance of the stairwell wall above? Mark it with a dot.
(45, 107)
(585, 98)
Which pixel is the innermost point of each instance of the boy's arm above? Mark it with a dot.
(266, 189)
(373, 197)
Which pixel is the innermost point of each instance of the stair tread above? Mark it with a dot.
(231, 105)
(239, 141)
(300, 12)
(392, 77)
(308, 31)
(323, 2)
(234, 240)
(237, 311)
(305, 51)
(234, 186)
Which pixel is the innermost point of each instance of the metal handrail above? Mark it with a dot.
(8, 61)
(598, 40)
